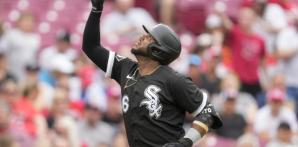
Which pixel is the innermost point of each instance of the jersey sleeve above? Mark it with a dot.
(188, 96)
(117, 65)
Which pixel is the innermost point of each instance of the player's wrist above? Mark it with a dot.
(192, 136)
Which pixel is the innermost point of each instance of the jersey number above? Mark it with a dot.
(125, 104)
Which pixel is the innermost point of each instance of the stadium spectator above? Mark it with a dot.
(5, 113)
(289, 8)
(248, 140)
(85, 71)
(269, 23)
(26, 111)
(59, 107)
(8, 141)
(248, 50)
(96, 94)
(63, 127)
(235, 123)
(9, 91)
(209, 80)
(284, 137)
(277, 81)
(62, 47)
(10, 134)
(61, 74)
(274, 112)
(280, 17)
(93, 84)
(44, 92)
(230, 86)
(194, 71)
(125, 19)
(214, 24)
(215, 27)
(1, 29)
(113, 112)
(91, 125)
(20, 45)
(206, 73)
(287, 53)
(61, 135)
(4, 73)
(61, 54)
(167, 12)
(195, 10)
(201, 44)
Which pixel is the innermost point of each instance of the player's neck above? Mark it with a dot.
(147, 67)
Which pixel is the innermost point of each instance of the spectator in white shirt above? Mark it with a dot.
(230, 85)
(62, 47)
(287, 52)
(126, 19)
(91, 125)
(284, 137)
(272, 114)
(20, 45)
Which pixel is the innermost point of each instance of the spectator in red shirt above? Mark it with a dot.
(248, 50)
(15, 117)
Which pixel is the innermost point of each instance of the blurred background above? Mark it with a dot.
(244, 52)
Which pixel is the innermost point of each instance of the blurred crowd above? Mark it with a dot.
(243, 52)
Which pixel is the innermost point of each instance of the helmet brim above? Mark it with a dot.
(148, 31)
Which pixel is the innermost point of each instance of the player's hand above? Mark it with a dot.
(210, 117)
(183, 142)
(97, 5)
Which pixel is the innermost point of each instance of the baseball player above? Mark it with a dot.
(155, 98)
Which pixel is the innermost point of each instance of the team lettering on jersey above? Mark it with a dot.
(152, 101)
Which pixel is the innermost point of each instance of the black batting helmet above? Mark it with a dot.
(167, 46)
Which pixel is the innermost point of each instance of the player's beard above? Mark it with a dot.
(139, 52)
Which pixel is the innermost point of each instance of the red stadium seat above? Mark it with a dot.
(148, 5)
(191, 15)
(233, 7)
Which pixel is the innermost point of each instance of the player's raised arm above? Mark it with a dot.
(91, 38)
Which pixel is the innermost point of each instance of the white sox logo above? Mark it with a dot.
(152, 102)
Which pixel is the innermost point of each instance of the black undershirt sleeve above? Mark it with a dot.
(91, 42)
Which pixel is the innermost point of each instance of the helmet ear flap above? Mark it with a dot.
(150, 47)
(154, 51)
